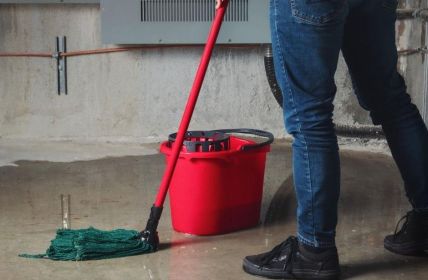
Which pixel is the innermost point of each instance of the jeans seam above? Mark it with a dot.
(309, 182)
(291, 98)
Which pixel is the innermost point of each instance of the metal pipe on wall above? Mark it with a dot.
(412, 13)
(425, 93)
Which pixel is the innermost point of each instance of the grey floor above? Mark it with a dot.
(117, 192)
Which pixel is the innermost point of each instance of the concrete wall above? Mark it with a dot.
(140, 95)
(411, 34)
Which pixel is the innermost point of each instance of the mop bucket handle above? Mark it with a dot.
(257, 132)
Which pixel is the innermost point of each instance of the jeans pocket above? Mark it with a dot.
(317, 12)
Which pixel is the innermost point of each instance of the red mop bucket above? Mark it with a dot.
(217, 184)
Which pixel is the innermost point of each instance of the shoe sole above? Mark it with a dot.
(297, 273)
(407, 249)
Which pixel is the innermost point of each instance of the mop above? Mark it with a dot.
(93, 244)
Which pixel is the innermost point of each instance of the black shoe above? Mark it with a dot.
(288, 261)
(412, 238)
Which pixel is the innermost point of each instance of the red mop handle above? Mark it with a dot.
(191, 103)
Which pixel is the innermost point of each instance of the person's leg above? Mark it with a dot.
(306, 40)
(370, 52)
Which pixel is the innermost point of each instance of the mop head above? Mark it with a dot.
(94, 244)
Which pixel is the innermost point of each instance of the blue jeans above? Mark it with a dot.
(307, 36)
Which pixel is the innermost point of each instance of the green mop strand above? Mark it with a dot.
(94, 244)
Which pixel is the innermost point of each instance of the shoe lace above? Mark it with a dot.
(292, 243)
(403, 228)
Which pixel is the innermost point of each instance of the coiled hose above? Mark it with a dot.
(341, 130)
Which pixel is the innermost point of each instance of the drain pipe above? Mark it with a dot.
(341, 130)
(425, 91)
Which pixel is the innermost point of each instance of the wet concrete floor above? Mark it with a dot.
(117, 192)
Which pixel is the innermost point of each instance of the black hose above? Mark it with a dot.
(270, 74)
(341, 130)
(359, 131)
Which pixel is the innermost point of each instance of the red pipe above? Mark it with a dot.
(403, 52)
(191, 103)
(110, 50)
(26, 54)
(120, 49)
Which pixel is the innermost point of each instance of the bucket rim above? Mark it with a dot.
(166, 150)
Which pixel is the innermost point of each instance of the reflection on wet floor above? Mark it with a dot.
(118, 192)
